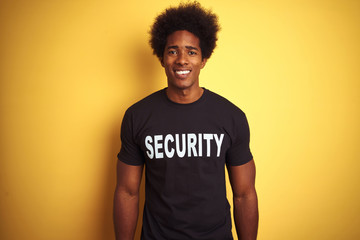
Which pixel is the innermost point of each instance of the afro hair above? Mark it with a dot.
(191, 17)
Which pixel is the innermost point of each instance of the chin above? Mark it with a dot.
(182, 86)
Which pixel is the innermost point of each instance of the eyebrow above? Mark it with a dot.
(187, 47)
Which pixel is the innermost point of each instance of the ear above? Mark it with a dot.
(162, 62)
(203, 62)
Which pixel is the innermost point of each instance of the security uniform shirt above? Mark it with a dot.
(185, 148)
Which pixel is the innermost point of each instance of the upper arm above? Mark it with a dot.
(242, 179)
(128, 178)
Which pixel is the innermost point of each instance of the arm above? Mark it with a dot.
(126, 200)
(242, 179)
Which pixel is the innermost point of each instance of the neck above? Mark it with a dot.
(184, 96)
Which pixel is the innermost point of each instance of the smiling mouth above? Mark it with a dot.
(182, 73)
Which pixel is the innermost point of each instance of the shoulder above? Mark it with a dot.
(147, 103)
(223, 105)
(139, 113)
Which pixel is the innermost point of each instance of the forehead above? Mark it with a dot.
(183, 38)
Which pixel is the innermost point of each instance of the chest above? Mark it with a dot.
(184, 134)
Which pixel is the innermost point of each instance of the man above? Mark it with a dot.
(185, 135)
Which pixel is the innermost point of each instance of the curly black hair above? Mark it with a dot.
(191, 17)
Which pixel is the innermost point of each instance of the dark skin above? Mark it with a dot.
(126, 200)
(245, 203)
(183, 55)
(182, 62)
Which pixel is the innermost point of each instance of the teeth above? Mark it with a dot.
(183, 72)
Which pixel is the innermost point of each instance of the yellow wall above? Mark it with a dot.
(69, 69)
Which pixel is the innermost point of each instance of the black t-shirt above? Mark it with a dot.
(185, 148)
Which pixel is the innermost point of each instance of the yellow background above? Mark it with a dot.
(69, 69)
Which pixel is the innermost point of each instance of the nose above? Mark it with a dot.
(182, 58)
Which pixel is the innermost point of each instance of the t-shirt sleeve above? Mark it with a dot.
(239, 153)
(130, 152)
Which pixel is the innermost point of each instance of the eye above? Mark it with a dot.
(192, 53)
(172, 52)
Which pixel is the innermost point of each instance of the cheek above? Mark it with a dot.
(168, 70)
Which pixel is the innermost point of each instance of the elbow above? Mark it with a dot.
(248, 196)
(126, 194)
